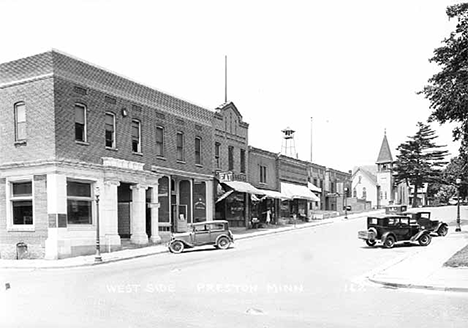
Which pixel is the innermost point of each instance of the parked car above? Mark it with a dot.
(215, 233)
(425, 222)
(391, 229)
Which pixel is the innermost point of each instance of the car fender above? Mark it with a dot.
(182, 241)
(224, 235)
(440, 225)
(388, 233)
(419, 234)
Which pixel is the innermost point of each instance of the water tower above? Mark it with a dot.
(288, 146)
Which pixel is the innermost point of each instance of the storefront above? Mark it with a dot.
(235, 201)
(297, 202)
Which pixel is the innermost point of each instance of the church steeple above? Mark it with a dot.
(385, 155)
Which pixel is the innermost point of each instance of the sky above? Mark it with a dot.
(339, 73)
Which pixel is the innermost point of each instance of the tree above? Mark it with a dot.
(420, 160)
(447, 90)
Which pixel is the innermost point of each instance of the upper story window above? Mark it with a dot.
(80, 122)
(364, 193)
(180, 146)
(110, 130)
(20, 122)
(22, 203)
(198, 150)
(263, 174)
(242, 160)
(160, 141)
(136, 136)
(217, 155)
(79, 202)
(230, 158)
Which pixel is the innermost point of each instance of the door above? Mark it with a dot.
(201, 234)
(403, 229)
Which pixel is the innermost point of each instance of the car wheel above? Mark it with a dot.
(371, 242)
(425, 240)
(443, 230)
(176, 247)
(389, 242)
(223, 243)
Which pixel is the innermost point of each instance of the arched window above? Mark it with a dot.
(364, 193)
(198, 148)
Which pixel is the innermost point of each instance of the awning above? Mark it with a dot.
(241, 186)
(275, 194)
(224, 195)
(298, 192)
(313, 187)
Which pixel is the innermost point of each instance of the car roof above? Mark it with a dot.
(209, 222)
(389, 216)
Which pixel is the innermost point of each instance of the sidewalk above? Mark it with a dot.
(88, 260)
(424, 269)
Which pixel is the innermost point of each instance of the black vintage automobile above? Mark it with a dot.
(391, 229)
(423, 218)
(214, 233)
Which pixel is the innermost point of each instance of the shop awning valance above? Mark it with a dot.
(241, 186)
(274, 194)
(313, 187)
(294, 191)
(223, 196)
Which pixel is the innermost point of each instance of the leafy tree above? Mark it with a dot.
(420, 160)
(447, 90)
(454, 171)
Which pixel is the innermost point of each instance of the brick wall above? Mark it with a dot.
(257, 158)
(39, 102)
(150, 117)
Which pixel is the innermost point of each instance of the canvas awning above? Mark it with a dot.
(275, 194)
(241, 186)
(223, 196)
(313, 187)
(294, 191)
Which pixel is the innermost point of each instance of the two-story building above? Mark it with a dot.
(77, 140)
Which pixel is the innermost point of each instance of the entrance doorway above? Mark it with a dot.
(124, 210)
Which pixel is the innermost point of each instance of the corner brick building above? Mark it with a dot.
(71, 134)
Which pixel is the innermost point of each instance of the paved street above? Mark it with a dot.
(305, 278)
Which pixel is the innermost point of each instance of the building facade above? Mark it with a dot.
(77, 140)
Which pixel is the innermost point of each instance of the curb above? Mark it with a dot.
(280, 230)
(416, 286)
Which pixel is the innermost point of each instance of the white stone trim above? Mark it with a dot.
(123, 164)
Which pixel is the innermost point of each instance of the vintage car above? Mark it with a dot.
(215, 233)
(391, 229)
(423, 218)
(395, 209)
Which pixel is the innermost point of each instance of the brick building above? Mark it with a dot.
(71, 131)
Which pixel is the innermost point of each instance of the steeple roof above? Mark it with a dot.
(385, 155)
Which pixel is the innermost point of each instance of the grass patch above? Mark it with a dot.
(459, 259)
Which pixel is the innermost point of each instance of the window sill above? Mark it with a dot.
(162, 158)
(198, 165)
(112, 148)
(137, 153)
(181, 162)
(83, 143)
(81, 227)
(21, 143)
(21, 228)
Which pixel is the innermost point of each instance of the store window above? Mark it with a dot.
(22, 203)
(79, 202)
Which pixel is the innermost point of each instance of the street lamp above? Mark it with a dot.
(346, 203)
(458, 182)
(97, 258)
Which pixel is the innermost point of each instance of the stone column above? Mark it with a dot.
(110, 238)
(56, 244)
(155, 238)
(209, 200)
(139, 235)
